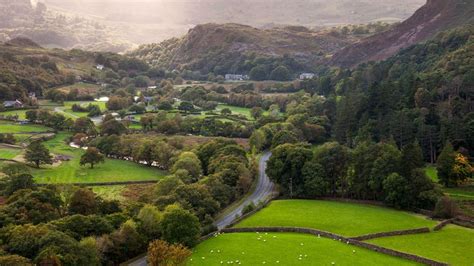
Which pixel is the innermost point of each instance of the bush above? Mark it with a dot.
(249, 208)
(445, 208)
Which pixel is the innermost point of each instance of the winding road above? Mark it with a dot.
(263, 191)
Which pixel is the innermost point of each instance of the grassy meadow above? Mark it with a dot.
(71, 172)
(284, 249)
(453, 245)
(8, 153)
(15, 128)
(347, 219)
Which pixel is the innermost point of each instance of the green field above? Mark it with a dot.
(453, 245)
(432, 173)
(15, 128)
(236, 110)
(21, 113)
(68, 107)
(284, 249)
(71, 172)
(346, 219)
(461, 193)
(8, 153)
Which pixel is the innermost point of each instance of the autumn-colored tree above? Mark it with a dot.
(162, 253)
(92, 156)
(462, 168)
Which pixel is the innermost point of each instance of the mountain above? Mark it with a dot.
(433, 17)
(52, 29)
(236, 48)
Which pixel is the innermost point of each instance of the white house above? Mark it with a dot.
(12, 104)
(100, 67)
(304, 76)
(236, 77)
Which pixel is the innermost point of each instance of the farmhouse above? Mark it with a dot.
(100, 67)
(12, 104)
(304, 76)
(236, 77)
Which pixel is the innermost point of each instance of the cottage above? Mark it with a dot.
(236, 77)
(304, 76)
(12, 104)
(99, 67)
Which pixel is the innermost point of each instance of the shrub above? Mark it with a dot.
(445, 208)
(248, 208)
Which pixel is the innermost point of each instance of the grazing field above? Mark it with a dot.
(71, 172)
(346, 219)
(15, 128)
(453, 245)
(236, 110)
(68, 107)
(8, 153)
(284, 249)
(20, 113)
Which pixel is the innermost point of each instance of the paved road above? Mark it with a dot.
(263, 191)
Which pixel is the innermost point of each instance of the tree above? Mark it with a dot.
(258, 73)
(280, 73)
(256, 112)
(92, 156)
(180, 226)
(38, 154)
(412, 158)
(190, 162)
(83, 125)
(149, 219)
(285, 166)
(112, 127)
(186, 107)
(83, 201)
(335, 159)
(226, 111)
(162, 253)
(445, 166)
(17, 182)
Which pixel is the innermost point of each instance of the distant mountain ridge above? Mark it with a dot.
(236, 48)
(433, 17)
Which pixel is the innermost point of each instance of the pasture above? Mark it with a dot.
(16, 128)
(284, 249)
(71, 172)
(8, 152)
(20, 113)
(347, 219)
(453, 245)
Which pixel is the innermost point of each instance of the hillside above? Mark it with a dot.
(235, 48)
(433, 17)
(52, 29)
(27, 67)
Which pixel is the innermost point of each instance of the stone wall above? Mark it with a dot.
(393, 233)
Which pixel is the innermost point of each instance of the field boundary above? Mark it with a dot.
(443, 224)
(336, 237)
(422, 230)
